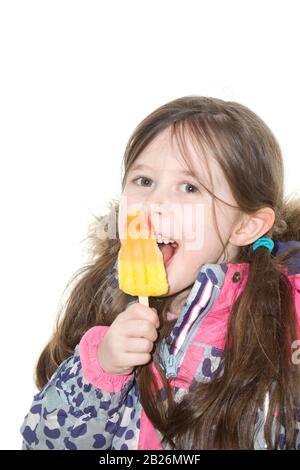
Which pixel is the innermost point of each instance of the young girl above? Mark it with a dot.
(213, 363)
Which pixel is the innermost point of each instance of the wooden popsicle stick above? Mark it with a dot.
(144, 301)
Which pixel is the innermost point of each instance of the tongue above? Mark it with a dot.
(167, 252)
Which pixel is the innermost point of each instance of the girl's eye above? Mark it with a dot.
(143, 181)
(189, 188)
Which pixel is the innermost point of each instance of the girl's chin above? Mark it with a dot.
(170, 279)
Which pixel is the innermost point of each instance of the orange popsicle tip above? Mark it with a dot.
(140, 261)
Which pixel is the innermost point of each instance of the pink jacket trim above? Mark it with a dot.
(91, 368)
(148, 439)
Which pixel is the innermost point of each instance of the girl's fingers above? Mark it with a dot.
(138, 345)
(139, 329)
(135, 359)
(137, 311)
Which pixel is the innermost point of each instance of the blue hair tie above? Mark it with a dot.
(264, 241)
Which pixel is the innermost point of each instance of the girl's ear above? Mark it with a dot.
(252, 227)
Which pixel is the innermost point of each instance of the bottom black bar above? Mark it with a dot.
(134, 459)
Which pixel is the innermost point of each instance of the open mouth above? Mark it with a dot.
(168, 249)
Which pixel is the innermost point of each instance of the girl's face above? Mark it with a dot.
(160, 182)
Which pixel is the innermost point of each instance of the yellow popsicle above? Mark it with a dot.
(140, 261)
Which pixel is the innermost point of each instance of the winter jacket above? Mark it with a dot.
(84, 407)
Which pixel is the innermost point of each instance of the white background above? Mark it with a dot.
(76, 77)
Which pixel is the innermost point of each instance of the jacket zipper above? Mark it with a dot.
(174, 360)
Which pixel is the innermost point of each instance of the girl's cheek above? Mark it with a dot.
(194, 234)
(127, 202)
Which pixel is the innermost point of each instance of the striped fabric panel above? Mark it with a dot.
(199, 296)
(194, 311)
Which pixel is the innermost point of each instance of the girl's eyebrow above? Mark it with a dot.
(140, 166)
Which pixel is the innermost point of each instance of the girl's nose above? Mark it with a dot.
(159, 198)
(159, 210)
(157, 207)
(160, 207)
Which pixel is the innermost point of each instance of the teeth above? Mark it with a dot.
(164, 240)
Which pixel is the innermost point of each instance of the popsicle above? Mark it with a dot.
(140, 261)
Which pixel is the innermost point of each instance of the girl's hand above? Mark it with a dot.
(129, 340)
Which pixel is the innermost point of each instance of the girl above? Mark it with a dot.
(214, 363)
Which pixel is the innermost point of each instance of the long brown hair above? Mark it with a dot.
(219, 414)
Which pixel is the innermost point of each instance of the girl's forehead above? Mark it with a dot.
(164, 155)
